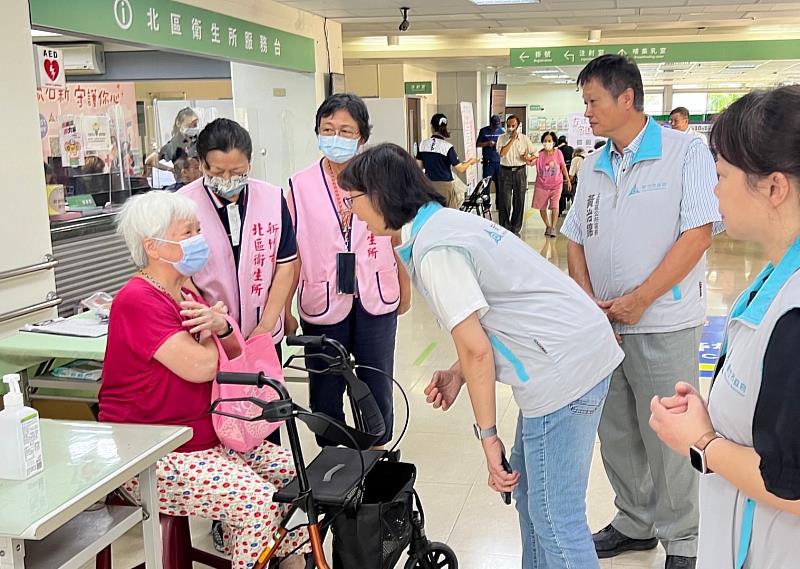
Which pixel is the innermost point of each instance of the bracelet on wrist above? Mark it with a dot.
(226, 333)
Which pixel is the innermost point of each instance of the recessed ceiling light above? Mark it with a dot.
(594, 36)
(500, 2)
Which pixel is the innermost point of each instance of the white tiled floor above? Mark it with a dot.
(460, 508)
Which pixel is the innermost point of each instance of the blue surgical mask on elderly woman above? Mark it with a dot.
(226, 188)
(195, 255)
(338, 149)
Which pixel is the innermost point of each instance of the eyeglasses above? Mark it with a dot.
(344, 132)
(348, 200)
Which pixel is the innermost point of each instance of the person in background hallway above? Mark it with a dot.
(745, 439)
(329, 236)
(565, 149)
(437, 157)
(643, 218)
(516, 152)
(187, 170)
(568, 152)
(487, 142)
(183, 142)
(679, 120)
(551, 177)
(577, 161)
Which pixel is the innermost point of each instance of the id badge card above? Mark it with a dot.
(235, 223)
(346, 273)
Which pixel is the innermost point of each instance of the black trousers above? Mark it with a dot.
(511, 197)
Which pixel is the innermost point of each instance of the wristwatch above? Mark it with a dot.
(483, 434)
(697, 452)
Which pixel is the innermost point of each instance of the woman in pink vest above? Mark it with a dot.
(249, 232)
(349, 287)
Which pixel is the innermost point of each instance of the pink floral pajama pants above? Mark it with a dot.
(237, 488)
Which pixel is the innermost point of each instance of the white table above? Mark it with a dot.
(83, 463)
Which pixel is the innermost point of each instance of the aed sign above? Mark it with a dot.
(50, 67)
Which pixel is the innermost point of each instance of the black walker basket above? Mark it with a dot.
(376, 534)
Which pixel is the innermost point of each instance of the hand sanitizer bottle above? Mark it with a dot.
(20, 438)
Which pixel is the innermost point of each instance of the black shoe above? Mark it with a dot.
(608, 542)
(218, 536)
(679, 562)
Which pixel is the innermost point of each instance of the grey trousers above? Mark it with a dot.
(656, 489)
(511, 197)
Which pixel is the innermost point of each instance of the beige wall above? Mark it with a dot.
(429, 102)
(24, 225)
(362, 80)
(210, 89)
(272, 14)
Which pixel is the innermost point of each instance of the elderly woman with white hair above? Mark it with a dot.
(160, 361)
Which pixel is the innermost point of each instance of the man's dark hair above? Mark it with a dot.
(393, 181)
(616, 73)
(760, 133)
(224, 135)
(682, 111)
(351, 103)
(515, 117)
(562, 139)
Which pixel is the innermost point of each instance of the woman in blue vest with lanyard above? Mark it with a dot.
(532, 328)
(745, 440)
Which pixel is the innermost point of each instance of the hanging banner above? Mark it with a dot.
(470, 136)
(497, 100)
(88, 101)
(49, 67)
(175, 26)
(579, 132)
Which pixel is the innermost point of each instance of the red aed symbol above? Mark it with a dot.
(51, 68)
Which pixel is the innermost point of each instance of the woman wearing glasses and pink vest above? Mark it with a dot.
(349, 286)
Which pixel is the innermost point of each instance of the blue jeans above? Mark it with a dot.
(553, 455)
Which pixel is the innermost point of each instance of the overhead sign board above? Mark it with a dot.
(656, 52)
(174, 26)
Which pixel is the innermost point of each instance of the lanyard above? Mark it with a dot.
(344, 213)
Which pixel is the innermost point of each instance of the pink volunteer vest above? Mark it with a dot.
(244, 294)
(319, 239)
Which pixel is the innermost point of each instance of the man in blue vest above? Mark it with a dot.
(487, 142)
(643, 217)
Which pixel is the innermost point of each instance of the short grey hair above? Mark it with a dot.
(146, 216)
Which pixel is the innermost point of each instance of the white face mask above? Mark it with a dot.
(191, 131)
(549, 146)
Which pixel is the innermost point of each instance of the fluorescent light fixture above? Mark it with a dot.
(392, 40)
(43, 34)
(595, 35)
(502, 2)
(688, 86)
(550, 71)
(742, 66)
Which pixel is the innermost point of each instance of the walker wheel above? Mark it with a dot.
(434, 556)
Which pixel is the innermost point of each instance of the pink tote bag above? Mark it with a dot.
(258, 355)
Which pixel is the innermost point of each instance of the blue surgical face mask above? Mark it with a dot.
(195, 255)
(338, 149)
(226, 188)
